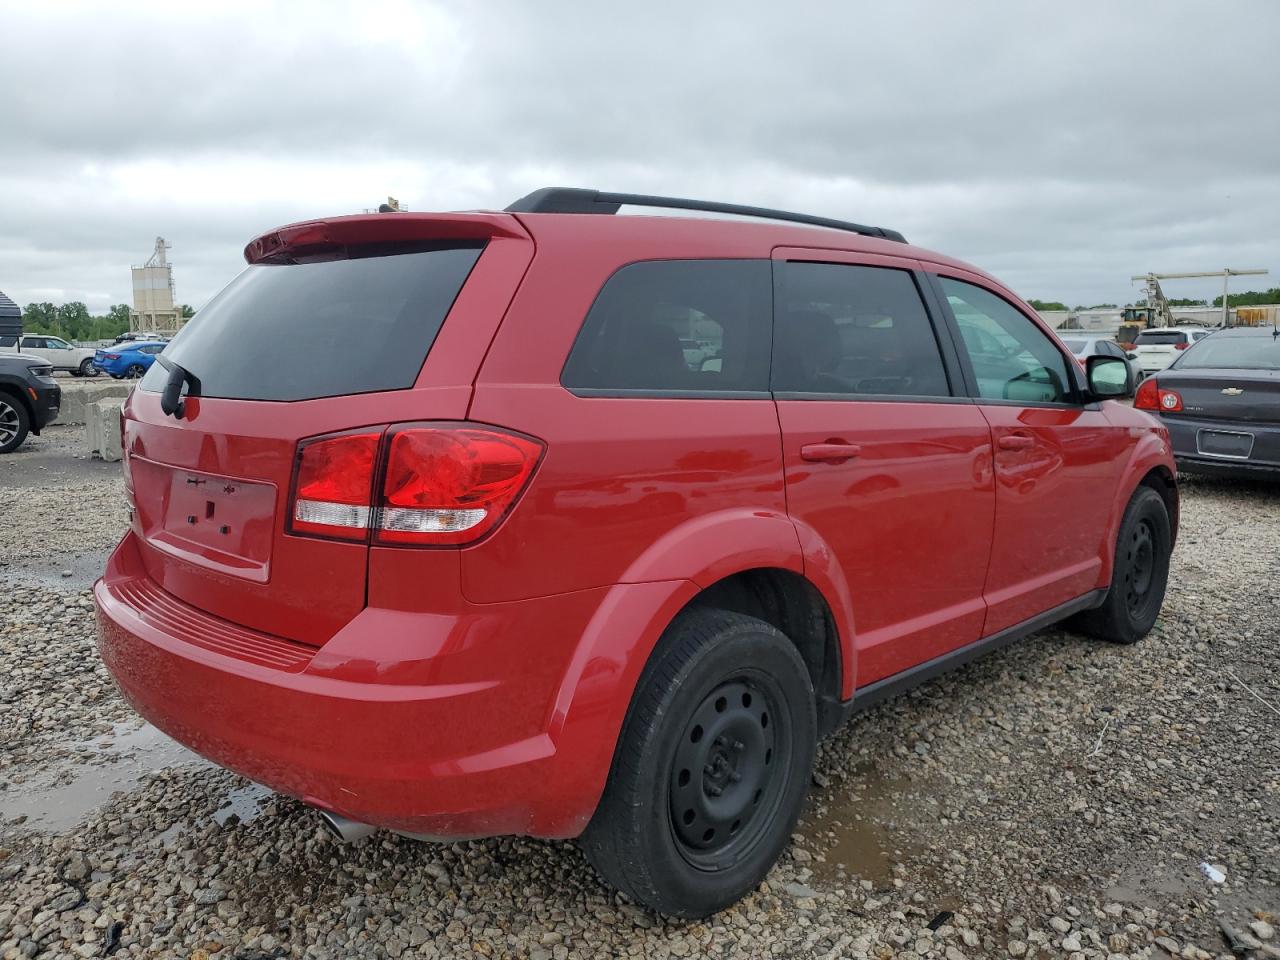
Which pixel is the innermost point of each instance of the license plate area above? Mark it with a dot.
(221, 523)
(1231, 444)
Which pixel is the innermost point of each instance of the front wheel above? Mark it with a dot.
(711, 768)
(1139, 574)
(14, 423)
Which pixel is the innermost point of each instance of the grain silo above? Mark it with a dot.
(155, 309)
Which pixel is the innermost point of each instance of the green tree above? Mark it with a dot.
(40, 318)
(188, 310)
(1184, 302)
(1047, 305)
(74, 320)
(1250, 298)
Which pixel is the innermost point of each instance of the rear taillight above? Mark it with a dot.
(1148, 396)
(449, 485)
(111, 356)
(1181, 346)
(333, 485)
(440, 484)
(1151, 396)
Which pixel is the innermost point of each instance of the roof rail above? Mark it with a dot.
(579, 200)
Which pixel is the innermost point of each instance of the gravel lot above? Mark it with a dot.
(1053, 800)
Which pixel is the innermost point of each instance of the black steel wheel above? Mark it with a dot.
(711, 768)
(1139, 576)
(722, 775)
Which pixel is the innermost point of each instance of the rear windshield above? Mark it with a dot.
(1149, 337)
(325, 329)
(1075, 346)
(1238, 353)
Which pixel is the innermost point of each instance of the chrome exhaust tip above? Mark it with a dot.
(345, 829)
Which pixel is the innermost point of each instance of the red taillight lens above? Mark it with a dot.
(333, 485)
(1147, 396)
(1150, 396)
(111, 356)
(1181, 346)
(451, 484)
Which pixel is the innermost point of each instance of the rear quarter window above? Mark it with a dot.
(672, 327)
(302, 331)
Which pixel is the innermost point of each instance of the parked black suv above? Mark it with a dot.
(29, 398)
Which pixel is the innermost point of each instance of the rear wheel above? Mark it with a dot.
(134, 371)
(1139, 575)
(14, 423)
(711, 768)
(88, 369)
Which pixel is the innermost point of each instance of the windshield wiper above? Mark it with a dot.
(172, 401)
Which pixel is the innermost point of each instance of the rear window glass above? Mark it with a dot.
(677, 326)
(1149, 338)
(1240, 353)
(1075, 346)
(324, 329)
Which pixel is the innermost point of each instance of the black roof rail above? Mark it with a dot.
(579, 200)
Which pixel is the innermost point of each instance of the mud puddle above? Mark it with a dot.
(60, 797)
(860, 827)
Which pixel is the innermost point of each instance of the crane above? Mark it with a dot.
(1159, 314)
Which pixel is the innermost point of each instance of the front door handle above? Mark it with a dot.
(1015, 441)
(830, 452)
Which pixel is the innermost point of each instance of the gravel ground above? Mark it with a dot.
(1053, 800)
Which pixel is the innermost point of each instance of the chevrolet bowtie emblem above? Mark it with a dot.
(1232, 391)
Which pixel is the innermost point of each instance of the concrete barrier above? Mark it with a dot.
(102, 429)
(77, 398)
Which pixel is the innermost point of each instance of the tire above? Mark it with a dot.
(15, 422)
(1139, 574)
(87, 369)
(134, 371)
(730, 694)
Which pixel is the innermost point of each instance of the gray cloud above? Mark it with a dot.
(1062, 148)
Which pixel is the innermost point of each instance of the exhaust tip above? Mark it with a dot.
(343, 828)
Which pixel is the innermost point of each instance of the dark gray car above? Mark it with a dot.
(29, 398)
(1221, 402)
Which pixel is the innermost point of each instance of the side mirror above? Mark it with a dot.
(1110, 378)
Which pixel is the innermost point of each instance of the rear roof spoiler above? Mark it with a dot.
(338, 238)
(579, 200)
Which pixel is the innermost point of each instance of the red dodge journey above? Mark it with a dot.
(569, 524)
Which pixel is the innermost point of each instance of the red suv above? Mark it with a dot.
(559, 523)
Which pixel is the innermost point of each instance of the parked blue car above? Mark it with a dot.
(127, 359)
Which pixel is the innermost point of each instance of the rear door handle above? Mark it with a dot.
(1015, 441)
(829, 452)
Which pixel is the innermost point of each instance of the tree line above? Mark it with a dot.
(72, 321)
(1251, 298)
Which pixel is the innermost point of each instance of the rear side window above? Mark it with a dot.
(847, 329)
(323, 329)
(1147, 338)
(9, 341)
(677, 326)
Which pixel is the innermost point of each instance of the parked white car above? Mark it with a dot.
(78, 361)
(1160, 346)
(1086, 347)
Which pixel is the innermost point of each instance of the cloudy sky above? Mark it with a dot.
(1063, 147)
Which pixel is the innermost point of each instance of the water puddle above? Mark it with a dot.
(59, 798)
(244, 803)
(864, 830)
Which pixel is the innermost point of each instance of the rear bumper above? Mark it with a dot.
(387, 738)
(1263, 461)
